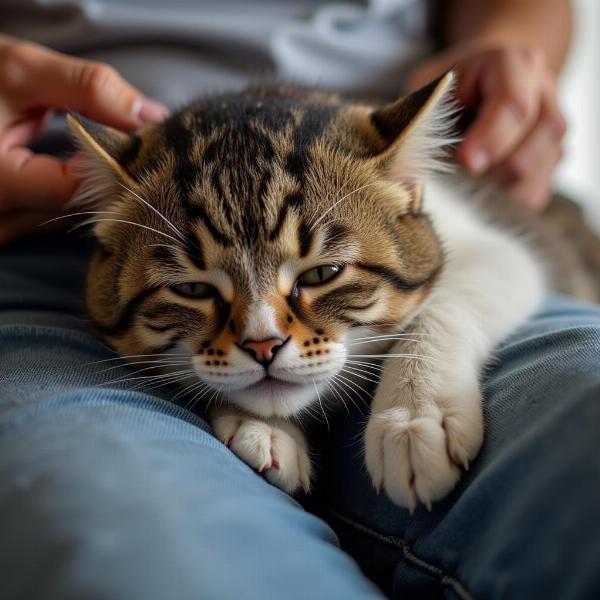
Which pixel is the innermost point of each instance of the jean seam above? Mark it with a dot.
(408, 553)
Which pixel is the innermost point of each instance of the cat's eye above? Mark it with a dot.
(319, 275)
(196, 290)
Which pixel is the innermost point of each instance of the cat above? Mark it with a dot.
(268, 248)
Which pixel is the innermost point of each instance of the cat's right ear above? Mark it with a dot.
(106, 154)
(414, 131)
(410, 137)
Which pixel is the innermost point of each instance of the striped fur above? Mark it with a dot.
(246, 191)
(237, 199)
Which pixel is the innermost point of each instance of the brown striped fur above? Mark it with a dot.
(244, 178)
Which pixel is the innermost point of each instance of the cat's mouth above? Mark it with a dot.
(271, 396)
(272, 384)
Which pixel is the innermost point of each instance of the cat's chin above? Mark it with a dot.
(274, 398)
(269, 385)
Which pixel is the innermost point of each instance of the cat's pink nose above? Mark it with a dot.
(264, 350)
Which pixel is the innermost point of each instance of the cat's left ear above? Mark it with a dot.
(414, 133)
(107, 153)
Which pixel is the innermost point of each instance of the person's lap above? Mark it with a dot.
(108, 491)
(524, 522)
(111, 492)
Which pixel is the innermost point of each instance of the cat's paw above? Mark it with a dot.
(274, 448)
(414, 450)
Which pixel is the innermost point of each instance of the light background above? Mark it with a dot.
(579, 173)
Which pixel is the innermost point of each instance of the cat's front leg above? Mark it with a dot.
(426, 422)
(273, 447)
(426, 418)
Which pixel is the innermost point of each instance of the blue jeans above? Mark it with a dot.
(110, 492)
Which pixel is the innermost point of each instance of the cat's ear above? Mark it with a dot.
(414, 134)
(106, 155)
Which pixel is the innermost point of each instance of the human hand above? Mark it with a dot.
(34, 81)
(516, 133)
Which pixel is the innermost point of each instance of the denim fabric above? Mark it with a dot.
(108, 492)
(524, 522)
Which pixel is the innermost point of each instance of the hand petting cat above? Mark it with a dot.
(515, 137)
(516, 133)
(34, 82)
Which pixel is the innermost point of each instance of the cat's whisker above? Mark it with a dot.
(352, 371)
(335, 385)
(188, 389)
(396, 324)
(377, 366)
(147, 227)
(213, 397)
(148, 385)
(330, 385)
(366, 364)
(154, 366)
(388, 339)
(372, 372)
(400, 336)
(125, 357)
(125, 379)
(218, 398)
(311, 412)
(146, 203)
(356, 190)
(157, 382)
(161, 361)
(339, 190)
(360, 369)
(344, 381)
(167, 381)
(412, 356)
(198, 396)
(157, 364)
(321, 405)
(79, 214)
(353, 383)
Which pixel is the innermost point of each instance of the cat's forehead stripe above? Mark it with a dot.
(194, 250)
(305, 238)
(289, 202)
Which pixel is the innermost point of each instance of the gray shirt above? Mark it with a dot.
(175, 49)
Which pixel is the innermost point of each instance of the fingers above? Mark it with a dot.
(37, 77)
(25, 131)
(99, 92)
(527, 173)
(511, 92)
(36, 80)
(33, 180)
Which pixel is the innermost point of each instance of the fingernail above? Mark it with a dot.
(479, 160)
(149, 111)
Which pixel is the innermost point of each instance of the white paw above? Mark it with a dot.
(276, 449)
(415, 453)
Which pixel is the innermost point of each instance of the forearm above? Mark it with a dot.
(545, 24)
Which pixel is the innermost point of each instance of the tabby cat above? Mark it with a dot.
(268, 248)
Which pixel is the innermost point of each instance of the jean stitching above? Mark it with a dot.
(445, 578)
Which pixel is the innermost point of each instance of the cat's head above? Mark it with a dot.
(255, 237)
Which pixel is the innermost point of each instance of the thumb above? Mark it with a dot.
(33, 181)
(91, 88)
